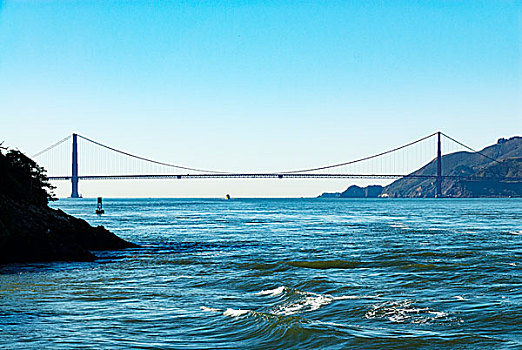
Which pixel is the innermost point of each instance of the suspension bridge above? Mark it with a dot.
(77, 157)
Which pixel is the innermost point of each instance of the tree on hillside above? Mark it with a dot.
(22, 178)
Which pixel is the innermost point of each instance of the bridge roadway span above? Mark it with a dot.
(259, 176)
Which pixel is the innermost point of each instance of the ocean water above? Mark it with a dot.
(279, 274)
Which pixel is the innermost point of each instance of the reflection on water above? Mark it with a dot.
(276, 273)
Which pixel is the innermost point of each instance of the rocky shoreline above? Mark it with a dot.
(31, 231)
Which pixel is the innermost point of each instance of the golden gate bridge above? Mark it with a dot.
(85, 159)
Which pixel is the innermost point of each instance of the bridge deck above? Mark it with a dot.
(267, 176)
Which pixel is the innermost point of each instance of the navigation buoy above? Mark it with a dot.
(99, 209)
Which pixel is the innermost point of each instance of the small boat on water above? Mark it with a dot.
(227, 196)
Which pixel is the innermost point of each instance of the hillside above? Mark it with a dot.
(478, 168)
(31, 231)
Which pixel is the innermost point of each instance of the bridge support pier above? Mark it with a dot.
(439, 168)
(74, 175)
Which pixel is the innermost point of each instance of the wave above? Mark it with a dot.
(235, 313)
(308, 302)
(209, 309)
(315, 264)
(296, 301)
(324, 264)
(404, 311)
(273, 292)
(293, 301)
(399, 225)
(271, 267)
(228, 312)
(402, 261)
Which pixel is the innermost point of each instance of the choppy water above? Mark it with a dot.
(267, 273)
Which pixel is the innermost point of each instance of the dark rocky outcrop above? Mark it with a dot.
(30, 231)
(355, 191)
(329, 195)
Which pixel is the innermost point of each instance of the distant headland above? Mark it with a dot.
(474, 176)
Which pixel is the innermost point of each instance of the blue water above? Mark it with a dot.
(279, 273)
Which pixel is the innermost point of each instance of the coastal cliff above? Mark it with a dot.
(30, 231)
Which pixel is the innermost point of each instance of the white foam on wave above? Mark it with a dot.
(516, 232)
(313, 301)
(404, 311)
(306, 301)
(309, 303)
(399, 225)
(273, 292)
(235, 313)
(227, 312)
(345, 297)
(209, 309)
(459, 298)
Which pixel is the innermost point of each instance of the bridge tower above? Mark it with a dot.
(74, 175)
(439, 168)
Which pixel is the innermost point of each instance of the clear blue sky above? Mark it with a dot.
(252, 85)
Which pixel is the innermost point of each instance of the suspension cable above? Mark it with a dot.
(283, 172)
(360, 159)
(51, 147)
(150, 160)
(471, 149)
